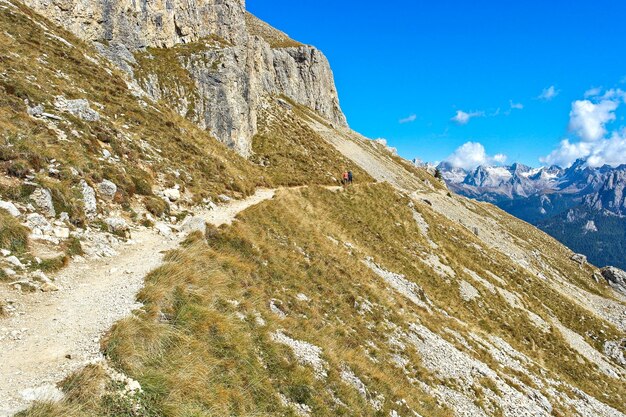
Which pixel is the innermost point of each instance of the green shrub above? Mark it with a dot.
(73, 247)
(67, 199)
(143, 185)
(54, 264)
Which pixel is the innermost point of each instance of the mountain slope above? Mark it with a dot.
(226, 62)
(351, 310)
(391, 297)
(582, 207)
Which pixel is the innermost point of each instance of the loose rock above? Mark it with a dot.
(117, 225)
(10, 207)
(61, 232)
(15, 262)
(616, 278)
(49, 287)
(193, 224)
(89, 199)
(107, 189)
(36, 111)
(79, 108)
(38, 224)
(43, 199)
(579, 259)
(172, 194)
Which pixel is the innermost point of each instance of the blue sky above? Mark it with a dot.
(424, 61)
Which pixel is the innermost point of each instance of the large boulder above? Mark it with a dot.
(172, 194)
(89, 200)
(117, 225)
(43, 199)
(38, 224)
(107, 189)
(79, 108)
(193, 224)
(616, 278)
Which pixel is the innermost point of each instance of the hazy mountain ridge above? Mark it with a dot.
(568, 202)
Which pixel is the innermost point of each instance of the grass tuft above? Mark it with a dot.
(13, 236)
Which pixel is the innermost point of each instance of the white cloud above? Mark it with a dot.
(611, 151)
(471, 155)
(409, 119)
(500, 158)
(463, 118)
(516, 106)
(588, 119)
(549, 93)
(615, 94)
(567, 153)
(593, 92)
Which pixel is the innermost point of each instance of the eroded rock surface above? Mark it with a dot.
(232, 61)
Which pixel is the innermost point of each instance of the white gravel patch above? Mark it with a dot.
(409, 289)
(306, 353)
(468, 292)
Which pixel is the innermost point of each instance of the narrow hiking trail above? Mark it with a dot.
(60, 332)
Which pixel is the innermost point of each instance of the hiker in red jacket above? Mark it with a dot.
(344, 178)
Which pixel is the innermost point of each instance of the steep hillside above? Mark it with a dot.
(388, 297)
(363, 302)
(209, 60)
(67, 114)
(83, 150)
(581, 206)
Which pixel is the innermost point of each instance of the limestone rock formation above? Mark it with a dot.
(612, 195)
(616, 278)
(227, 60)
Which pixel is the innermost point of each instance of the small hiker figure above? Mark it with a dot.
(345, 177)
(349, 177)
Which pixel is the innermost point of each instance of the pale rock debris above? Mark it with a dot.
(407, 288)
(468, 291)
(305, 353)
(10, 208)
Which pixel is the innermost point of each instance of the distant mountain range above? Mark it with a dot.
(582, 206)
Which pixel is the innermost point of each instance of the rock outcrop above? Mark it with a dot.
(227, 60)
(611, 197)
(616, 278)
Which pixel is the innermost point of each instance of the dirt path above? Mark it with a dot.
(359, 149)
(58, 333)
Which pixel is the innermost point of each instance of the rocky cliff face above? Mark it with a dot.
(226, 61)
(612, 195)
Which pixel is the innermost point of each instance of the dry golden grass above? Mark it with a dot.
(148, 140)
(197, 347)
(13, 236)
(274, 37)
(291, 153)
